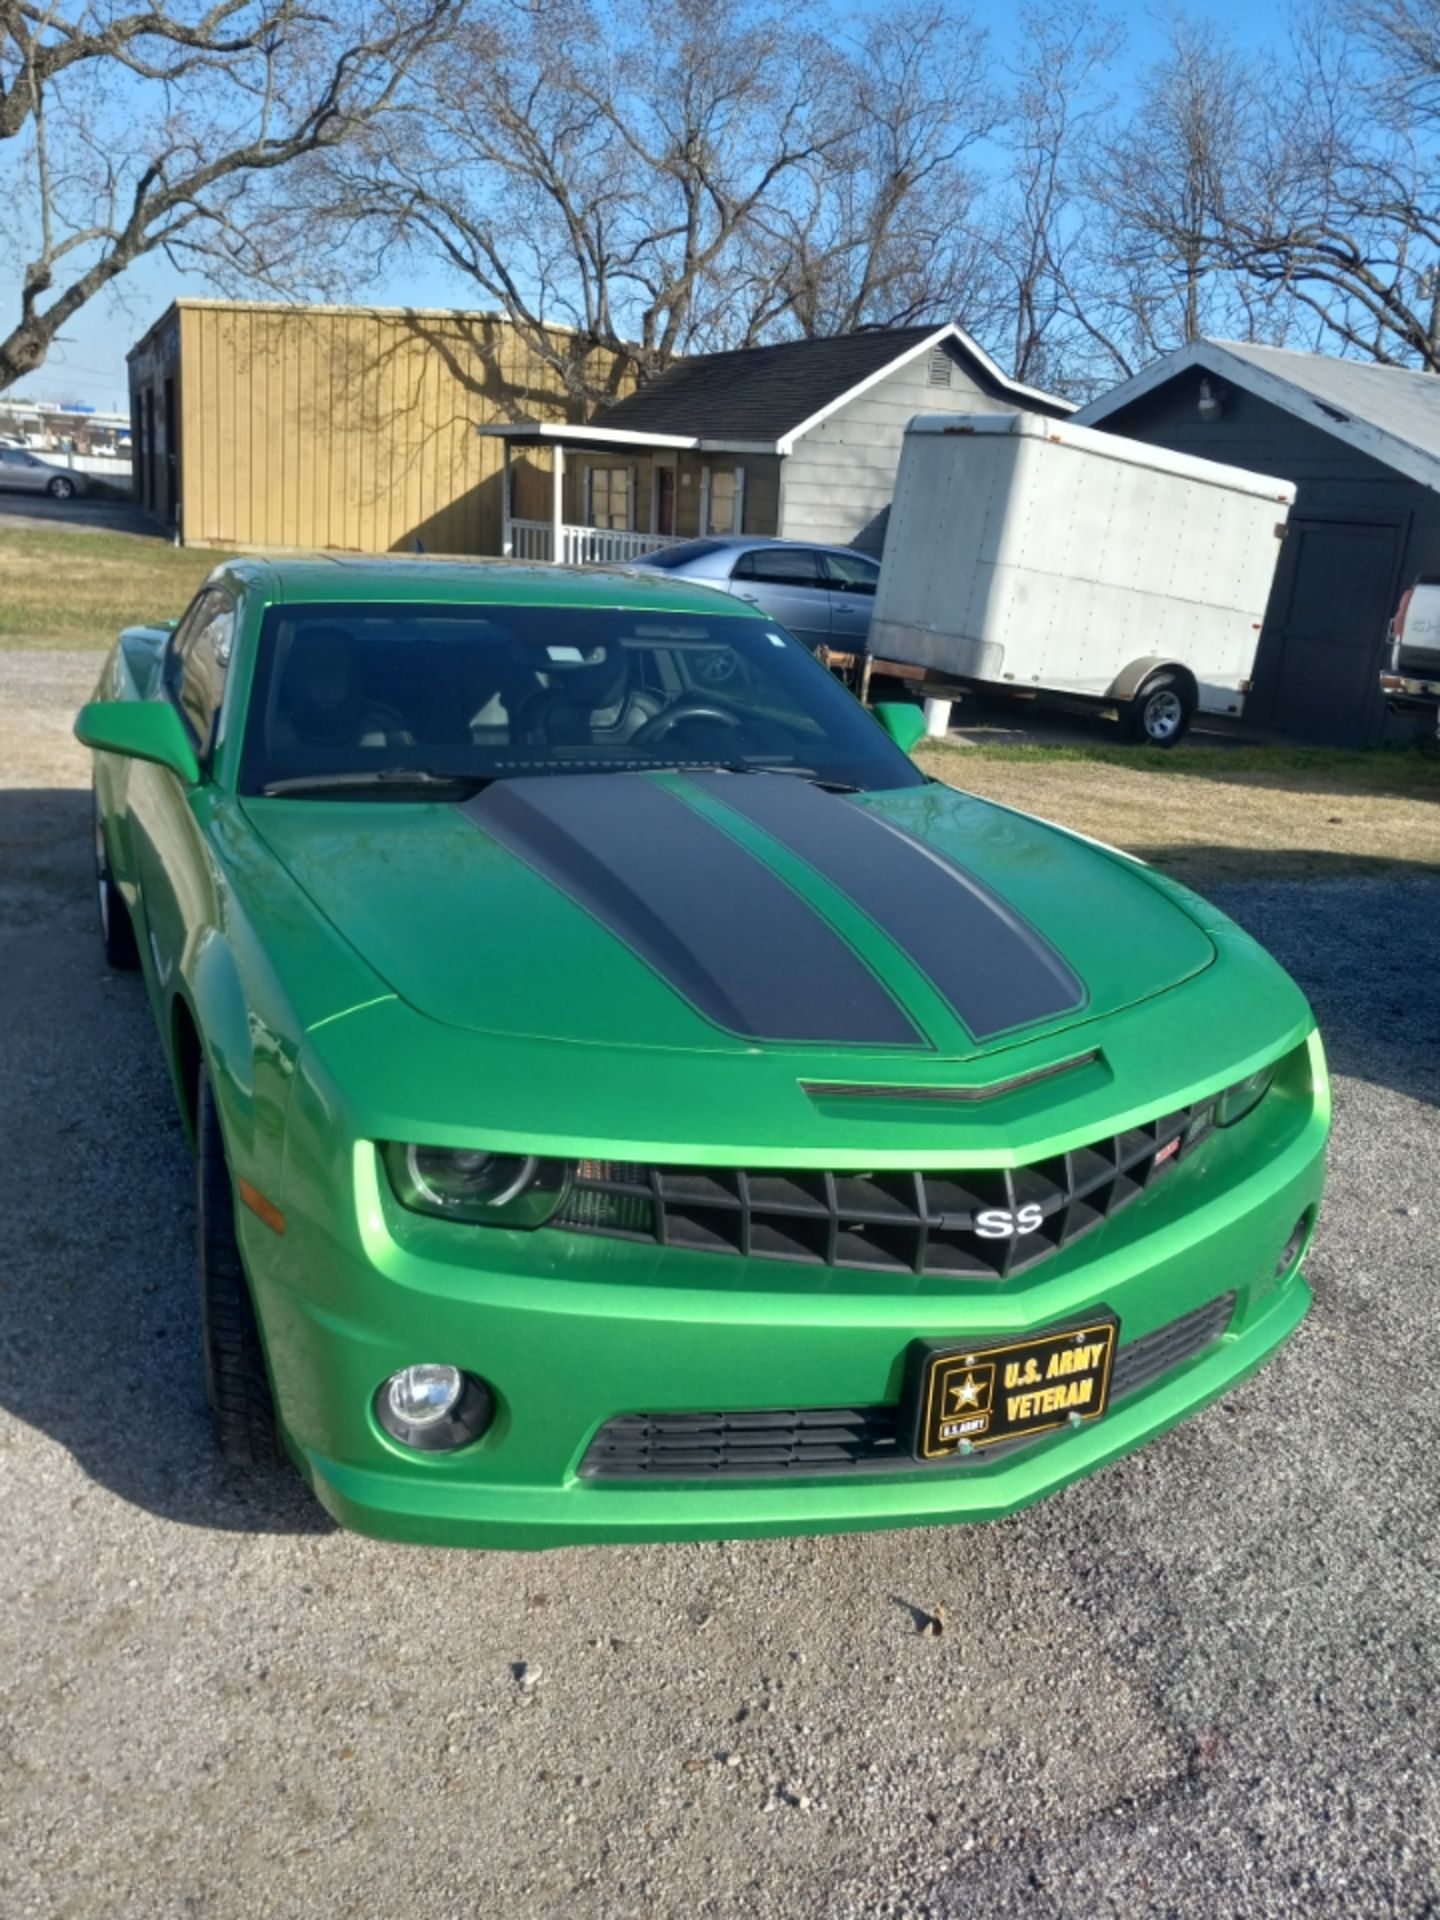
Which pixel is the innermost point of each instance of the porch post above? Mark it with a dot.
(507, 530)
(557, 504)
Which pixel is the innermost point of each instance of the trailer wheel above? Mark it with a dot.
(1161, 712)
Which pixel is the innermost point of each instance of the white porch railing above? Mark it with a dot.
(581, 546)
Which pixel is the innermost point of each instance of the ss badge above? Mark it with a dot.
(998, 1223)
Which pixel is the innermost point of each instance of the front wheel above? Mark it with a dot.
(61, 489)
(1160, 713)
(235, 1377)
(117, 932)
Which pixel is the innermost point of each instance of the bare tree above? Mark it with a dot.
(593, 170)
(683, 175)
(158, 129)
(1041, 242)
(1168, 184)
(883, 228)
(1343, 214)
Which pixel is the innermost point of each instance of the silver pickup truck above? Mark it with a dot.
(1412, 678)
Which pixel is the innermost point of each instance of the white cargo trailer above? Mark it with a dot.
(1033, 555)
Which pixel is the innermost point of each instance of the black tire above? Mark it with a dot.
(235, 1378)
(1161, 712)
(117, 932)
(60, 488)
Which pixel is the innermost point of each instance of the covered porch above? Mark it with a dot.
(600, 496)
(578, 546)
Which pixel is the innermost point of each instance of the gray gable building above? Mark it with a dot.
(799, 440)
(1362, 444)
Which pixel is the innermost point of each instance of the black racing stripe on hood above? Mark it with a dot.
(994, 968)
(712, 920)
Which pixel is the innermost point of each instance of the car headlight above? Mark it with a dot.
(482, 1189)
(1244, 1096)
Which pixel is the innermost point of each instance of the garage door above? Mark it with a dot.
(1317, 669)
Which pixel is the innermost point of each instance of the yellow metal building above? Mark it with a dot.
(352, 428)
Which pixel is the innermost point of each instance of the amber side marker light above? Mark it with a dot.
(264, 1209)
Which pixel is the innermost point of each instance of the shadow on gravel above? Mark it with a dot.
(1363, 948)
(99, 1328)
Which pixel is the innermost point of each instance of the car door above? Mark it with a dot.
(171, 865)
(852, 581)
(22, 470)
(788, 584)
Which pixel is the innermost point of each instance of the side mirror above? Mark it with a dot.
(141, 729)
(904, 724)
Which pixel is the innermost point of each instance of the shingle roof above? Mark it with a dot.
(759, 393)
(1390, 413)
(763, 393)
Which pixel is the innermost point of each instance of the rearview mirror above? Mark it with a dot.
(142, 730)
(904, 724)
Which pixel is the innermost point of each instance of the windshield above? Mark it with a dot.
(477, 693)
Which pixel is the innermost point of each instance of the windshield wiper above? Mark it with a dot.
(387, 779)
(811, 774)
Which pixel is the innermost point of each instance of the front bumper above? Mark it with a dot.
(573, 1332)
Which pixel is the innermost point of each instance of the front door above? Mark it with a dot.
(1319, 660)
(853, 579)
(665, 500)
(789, 584)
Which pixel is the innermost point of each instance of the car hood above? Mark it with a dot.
(737, 913)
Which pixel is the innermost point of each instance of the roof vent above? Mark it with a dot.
(938, 372)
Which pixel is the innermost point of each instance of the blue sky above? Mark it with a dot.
(89, 362)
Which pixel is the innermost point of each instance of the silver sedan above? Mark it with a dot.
(28, 473)
(824, 595)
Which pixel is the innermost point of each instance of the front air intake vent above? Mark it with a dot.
(975, 1224)
(825, 1440)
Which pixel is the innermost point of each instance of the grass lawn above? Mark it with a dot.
(74, 590)
(1210, 814)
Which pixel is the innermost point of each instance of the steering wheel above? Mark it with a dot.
(688, 707)
(717, 667)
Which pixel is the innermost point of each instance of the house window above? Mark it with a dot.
(611, 492)
(725, 500)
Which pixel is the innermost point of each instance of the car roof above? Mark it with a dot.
(752, 542)
(392, 578)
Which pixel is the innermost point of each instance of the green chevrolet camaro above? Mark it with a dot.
(631, 1102)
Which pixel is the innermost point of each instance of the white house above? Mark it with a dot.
(800, 440)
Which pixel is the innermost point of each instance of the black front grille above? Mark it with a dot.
(705, 1446)
(900, 1223)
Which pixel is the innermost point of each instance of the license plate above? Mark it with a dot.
(963, 1398)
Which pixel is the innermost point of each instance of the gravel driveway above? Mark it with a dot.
(1201, 1684)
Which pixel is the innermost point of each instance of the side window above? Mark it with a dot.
(199, 660)
(782, 567)
(851, 572)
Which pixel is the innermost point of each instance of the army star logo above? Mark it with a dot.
(967, 1394)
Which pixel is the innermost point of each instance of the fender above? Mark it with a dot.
(250, 1072)
(1128, 682)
